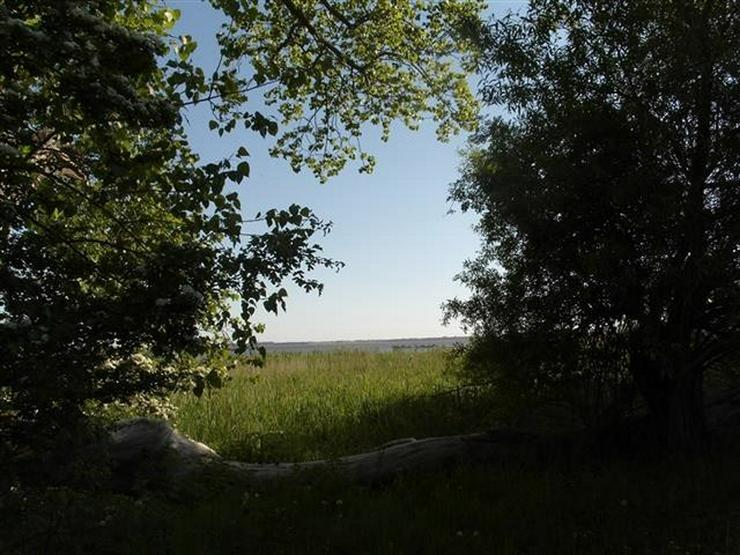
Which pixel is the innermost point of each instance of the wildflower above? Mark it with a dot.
(139, 359)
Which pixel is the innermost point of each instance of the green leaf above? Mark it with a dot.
(186, 47)
(214, 380)
(199, 386)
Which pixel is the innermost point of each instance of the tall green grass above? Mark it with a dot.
(323, 405)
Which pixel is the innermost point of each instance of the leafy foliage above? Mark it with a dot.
(329, 67)
(609, 200)
(115, 239)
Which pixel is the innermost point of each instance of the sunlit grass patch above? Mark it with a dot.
(318, 405)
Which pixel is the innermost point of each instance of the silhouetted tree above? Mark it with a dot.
(609, 198)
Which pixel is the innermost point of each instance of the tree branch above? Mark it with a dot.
(296, 12)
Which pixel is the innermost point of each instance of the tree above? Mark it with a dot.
(609, 199)
(121, 254)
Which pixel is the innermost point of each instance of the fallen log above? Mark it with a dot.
(399, 457)
(144, 450)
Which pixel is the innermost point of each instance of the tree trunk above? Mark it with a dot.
(675, 399)
(150, 453)
(684, 419)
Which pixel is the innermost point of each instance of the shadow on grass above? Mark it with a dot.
(308, 436)
(689, 506)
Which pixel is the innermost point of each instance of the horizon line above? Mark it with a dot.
(429, 337)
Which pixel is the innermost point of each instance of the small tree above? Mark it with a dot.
(609, 200)
(116, 240)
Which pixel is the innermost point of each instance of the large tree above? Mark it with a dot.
(609, 197)
(121, 254)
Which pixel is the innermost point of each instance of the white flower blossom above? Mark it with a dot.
(109, 365)
(140, 360)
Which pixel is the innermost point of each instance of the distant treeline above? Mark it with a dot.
(367, 345)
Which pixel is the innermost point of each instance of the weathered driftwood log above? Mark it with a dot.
(141, 446)
(398, 457)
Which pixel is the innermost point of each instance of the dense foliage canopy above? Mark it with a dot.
(121, 254)
(609, 198)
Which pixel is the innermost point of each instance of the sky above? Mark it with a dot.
(392, 229)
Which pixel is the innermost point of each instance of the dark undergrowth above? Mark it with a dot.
(669, 505)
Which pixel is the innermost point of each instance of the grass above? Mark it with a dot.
(324, 405)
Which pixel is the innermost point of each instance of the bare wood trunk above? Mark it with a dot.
(398, 457)
(153, 447)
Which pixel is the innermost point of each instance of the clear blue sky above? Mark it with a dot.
(392, 228)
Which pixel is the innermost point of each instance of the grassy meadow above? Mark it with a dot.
(307, 406)
(323, 405)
